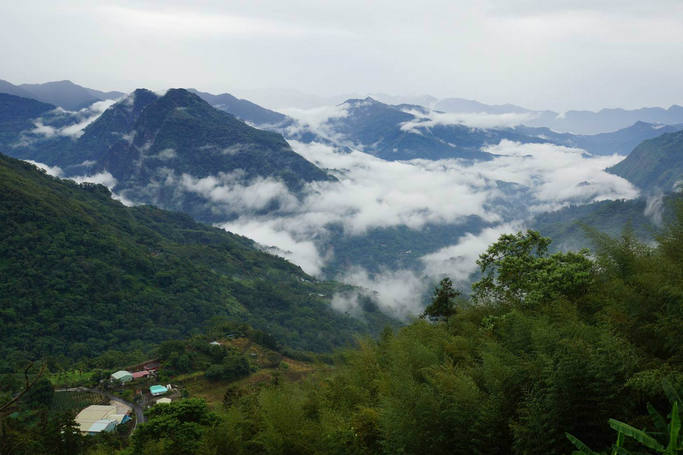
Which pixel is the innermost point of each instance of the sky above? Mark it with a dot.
(559, 55)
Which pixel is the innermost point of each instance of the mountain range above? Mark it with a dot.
(193, 152)
(172, 150)
(406, 130)
(620, 142)
(402, 133)
(578, 122)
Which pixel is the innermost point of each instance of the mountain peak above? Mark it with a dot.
(180, 94)
(365, 102)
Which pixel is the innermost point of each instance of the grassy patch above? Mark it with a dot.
(73, 402)
(72, 378)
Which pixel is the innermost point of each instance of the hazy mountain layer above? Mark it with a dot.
(621, 142)
(64, 94)
(579, 122)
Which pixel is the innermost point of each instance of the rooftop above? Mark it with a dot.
(120, 374)
(157, 390)
(88, 416)
(140, 374)
(100, 425)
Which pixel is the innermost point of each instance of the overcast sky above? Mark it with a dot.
(559, 54)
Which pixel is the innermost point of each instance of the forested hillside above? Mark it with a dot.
(548, 354)
(80, 274)
(655, 165)
(550, 344)
(570, 227)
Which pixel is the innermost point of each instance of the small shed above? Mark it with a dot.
(215, 343)
(119, 418)
(164, 401)
(140, 374)
(157, 390)
(102, 426)
(122, 376)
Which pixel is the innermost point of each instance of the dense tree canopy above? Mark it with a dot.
(555, 344)
(81, 274)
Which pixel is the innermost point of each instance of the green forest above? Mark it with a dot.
(571, 352)
(82, 275)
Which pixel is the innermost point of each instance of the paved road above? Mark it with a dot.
(139, 413)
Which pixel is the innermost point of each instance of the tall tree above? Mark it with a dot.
(443, 301)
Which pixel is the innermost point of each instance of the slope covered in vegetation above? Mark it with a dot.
(551, 344)
(548, 350)
(80, 273)
(655, 165)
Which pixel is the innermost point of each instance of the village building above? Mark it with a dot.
(141, 374)
(157, 390)
(122, 376)
(99, 418)
(102, 426)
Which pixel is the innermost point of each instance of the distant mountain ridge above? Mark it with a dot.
(397, 133)
(620, 142)
(475, 107)
(380, 129)
(243, 109)
(71, 96)
(64, 94)
(579, 122)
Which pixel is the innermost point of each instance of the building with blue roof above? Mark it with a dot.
(102, 426)
(157, 390)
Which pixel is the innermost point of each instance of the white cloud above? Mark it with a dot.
(101, 178)
(230, 189)
(302, 252)
(54, 171)
(654, 206)
(474, 120)
(458, 261)
(78, 120)
(316, 120)
(397, 292)
(556, 175)
(373, 193)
